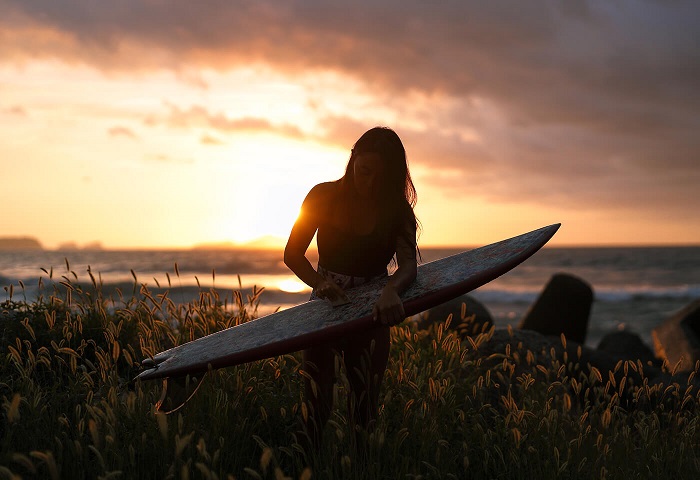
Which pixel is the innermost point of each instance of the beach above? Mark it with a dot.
(635, 288)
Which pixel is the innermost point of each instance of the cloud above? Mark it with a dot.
(119, 131)
(16, 110)
(600, 65)
(459, 47)
(199, 116)
(210, 140)
(589, 103)
(167, 159)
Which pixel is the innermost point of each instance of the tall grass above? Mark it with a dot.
(448, 410)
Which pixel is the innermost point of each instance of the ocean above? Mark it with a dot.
(635, 288)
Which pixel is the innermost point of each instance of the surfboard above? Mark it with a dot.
(318, 321)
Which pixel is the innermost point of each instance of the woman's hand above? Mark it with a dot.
(332, 292)
(389, 308)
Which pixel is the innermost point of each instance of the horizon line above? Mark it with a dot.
(232, 248)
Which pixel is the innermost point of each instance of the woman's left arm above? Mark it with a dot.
(389, 308)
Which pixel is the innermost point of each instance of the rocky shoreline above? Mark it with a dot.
(553, 333)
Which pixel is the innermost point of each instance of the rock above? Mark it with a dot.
(498, 351)
(511, 355)
(625, 345)
(517, 341)
(672, 390)
(469, 316)
(677, 339)
(563, 307)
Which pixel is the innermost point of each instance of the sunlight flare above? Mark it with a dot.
(291, 285)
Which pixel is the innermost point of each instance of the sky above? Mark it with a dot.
(153, 123)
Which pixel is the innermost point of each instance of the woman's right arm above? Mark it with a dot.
(300, 238)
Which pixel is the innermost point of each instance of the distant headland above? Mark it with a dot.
(73, 247)
(19, 243)
(268, 242)
(26, 243)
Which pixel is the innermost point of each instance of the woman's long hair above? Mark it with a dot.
(395, 192)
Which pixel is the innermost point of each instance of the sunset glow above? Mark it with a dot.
(292, 286)
(205, 128)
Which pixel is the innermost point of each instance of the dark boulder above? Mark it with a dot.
(563, 307)
(547, 358)
(626, 345)
(677, 339)
(469, 316)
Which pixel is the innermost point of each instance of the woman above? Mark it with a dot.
(362, 221)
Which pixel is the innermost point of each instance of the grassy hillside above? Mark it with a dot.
(71, 410)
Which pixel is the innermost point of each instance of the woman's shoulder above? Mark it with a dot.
(323, 193)
(320, 201)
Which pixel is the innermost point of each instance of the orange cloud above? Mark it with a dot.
(122, 132)
(17, 110)
(198, 116)
(585, 104)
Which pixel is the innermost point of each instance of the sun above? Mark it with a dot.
(269, 181)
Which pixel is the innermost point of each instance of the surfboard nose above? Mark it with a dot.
(148, 363)
(151, 364)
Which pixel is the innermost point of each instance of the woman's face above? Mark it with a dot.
(367, 172)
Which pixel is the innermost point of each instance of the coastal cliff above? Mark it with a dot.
(19, 243)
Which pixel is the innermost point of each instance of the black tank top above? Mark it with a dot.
(351, 254)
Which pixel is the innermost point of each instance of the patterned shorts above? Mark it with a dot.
(345, 282)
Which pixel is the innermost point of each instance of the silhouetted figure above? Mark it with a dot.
(361, 221)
